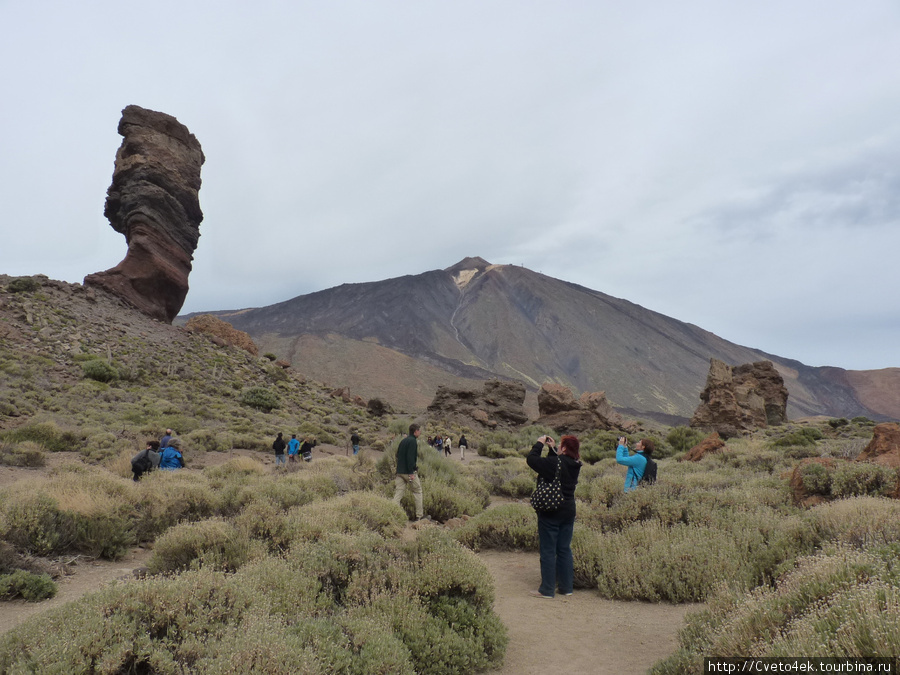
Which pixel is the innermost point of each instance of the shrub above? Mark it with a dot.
(270, 356)
(862, 522)
(509, 477)
(506, 527)
(100, 371)
(683, 438)
(23, 285)
(214, 544)
(33, 522)
(27, 453)
(32, 587)
(260, 398)
(800, 437)
(832, 604)
(838, 422)
(862, 478)
(45, 434)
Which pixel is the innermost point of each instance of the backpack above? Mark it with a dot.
(142, 462)
(649, 476)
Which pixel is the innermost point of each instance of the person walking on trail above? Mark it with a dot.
(636, 463)
(278, 446)
(463, 446)
(146, 460)
(306, 448)
(293, 448)
(438, 443)
(354, 441)
(164, 441)
(171, 458)
(555, 527)
(407, 469)
(447, 446)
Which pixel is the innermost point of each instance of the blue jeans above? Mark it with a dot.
(557, 564)
(279, 459)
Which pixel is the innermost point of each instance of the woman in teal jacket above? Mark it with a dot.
(636, 463)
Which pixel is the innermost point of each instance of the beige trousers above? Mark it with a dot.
(401, 481)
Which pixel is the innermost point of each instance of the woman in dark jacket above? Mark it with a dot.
(555, 527)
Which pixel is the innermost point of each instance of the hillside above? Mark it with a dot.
(476, 320)
(147, 376)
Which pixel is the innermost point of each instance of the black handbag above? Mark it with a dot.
(547, 495)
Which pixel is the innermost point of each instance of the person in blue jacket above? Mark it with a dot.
(636, 463)
(171, 458)
(293, 448)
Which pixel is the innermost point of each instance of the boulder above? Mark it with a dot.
(154, 202)
(710, 444)
(884, 448)
(740, 399)
(497, 404)
(378, 408)
(559, 409)
(221, 332)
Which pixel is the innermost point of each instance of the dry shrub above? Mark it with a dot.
(353, 513)
(214, 544)
(507, 527)
(841, 602)
(859, 521)
(26, 453)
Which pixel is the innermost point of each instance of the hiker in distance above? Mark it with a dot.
(407, 469)
(146, 460)
(278, 446)
(555, 526)
(636, 463)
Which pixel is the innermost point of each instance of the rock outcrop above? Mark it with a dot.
(559, 409)
(884, 448)
(710, 444)
(153, 201)
(222, 332)
(497, 404)
(740, 399)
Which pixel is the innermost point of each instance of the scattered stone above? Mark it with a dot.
(559, 409)
(379, 408)
(221, 332)
(711, 444)
(153, 201)
(884, 448)
(497, 404)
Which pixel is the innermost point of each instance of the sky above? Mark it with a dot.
(735, 165)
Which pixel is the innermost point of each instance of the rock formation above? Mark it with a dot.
(884, 448)
(710, 444)
(153, 201)
(222, 332)
(497, 404)
(559, 409)
(344, 394)
(742, 398)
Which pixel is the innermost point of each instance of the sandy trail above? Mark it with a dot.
(581, 634)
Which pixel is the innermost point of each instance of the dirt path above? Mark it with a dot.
(84, 576)
(581, 634)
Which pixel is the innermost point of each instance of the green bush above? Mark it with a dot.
(799, 437)
(23, 285)
(27, 453)
(35, 524)
(99, 371)
(45, 434)
(506, 527)
(32, 587)
(861, 478)
(260, 398)
(214, 544)
(683, 439)
(838, 603)
(838, 422)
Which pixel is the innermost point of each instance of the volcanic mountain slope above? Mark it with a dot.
(476, 320)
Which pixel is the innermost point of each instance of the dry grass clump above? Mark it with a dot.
(840, 602)
(214, 543)
(508, 477)
(26, 453)
(862, 522)
(350, 603)
(506, 527)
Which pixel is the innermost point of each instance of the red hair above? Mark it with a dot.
(568, 445)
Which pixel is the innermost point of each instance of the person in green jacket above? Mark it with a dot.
(407, 471)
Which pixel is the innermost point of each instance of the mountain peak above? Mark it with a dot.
(469, 263)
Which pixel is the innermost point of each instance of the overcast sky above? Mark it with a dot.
(735, 165)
